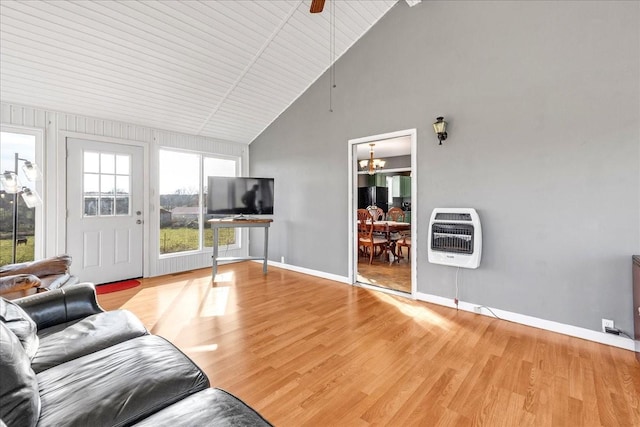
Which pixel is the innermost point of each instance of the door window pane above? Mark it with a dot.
(122, 165)
(91, 162)
(122, 206)
(107, 163)
(90, 206)
(106, 206)
(122, 186)
(91, 183)
(106, 184)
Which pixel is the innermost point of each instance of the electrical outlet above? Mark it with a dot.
(606, 323)
(477, 309)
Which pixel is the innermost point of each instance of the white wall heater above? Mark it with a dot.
(455, 237)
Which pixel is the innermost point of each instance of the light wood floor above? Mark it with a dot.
(396, 276)
(309, 351)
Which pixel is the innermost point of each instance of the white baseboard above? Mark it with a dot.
(321, 274)
(548, 325)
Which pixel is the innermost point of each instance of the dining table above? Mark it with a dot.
(388, 228)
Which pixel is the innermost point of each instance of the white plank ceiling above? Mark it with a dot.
(224, 69)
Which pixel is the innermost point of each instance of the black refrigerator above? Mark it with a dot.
(378, 196)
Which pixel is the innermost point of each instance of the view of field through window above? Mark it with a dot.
(183, 195)
(24, 146)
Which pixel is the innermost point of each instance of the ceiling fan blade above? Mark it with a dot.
(316, 6)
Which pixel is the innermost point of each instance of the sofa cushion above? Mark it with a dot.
(213, 407)
(118, 385)
(19, 322)
(68, 341)
(19, 398)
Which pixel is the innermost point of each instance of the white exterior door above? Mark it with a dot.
(104, 210)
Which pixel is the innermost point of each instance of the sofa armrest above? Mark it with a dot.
(61, 305)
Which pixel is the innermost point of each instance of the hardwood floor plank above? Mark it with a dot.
(308, 351)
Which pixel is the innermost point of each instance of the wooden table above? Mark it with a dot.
(217, 224)
(389, 227)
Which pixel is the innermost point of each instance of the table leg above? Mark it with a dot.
(394, 253)
(215, 254)
(266, 249)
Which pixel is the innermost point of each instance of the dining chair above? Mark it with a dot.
(404, 242)
(395, 214)
(378, 215)
(366, 239)
(376, 212)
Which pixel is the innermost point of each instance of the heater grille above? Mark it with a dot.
(451, 216)
(456, 238)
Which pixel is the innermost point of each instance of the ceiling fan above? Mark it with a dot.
(316, 6)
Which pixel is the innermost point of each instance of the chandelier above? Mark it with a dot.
(372, 165)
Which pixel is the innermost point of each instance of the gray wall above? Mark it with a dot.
(542, 99)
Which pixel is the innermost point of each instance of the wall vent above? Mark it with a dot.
(455, 237)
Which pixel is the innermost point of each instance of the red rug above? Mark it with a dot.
(107, 288)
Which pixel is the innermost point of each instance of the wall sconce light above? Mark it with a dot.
(440, 128)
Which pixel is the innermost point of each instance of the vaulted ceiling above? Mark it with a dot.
(224, 69)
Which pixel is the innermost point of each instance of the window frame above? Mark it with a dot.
(201, 214)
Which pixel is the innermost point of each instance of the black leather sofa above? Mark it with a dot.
(67, 362)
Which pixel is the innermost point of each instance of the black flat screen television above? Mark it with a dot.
(239, 196)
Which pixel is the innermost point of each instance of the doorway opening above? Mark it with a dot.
(382, 181)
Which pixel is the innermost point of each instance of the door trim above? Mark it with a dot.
(61, 182)
(352, 179)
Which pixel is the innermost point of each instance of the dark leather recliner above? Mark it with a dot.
(66, 362)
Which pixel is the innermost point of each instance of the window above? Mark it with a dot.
(183, 211)
(18, 149)
(106, 184)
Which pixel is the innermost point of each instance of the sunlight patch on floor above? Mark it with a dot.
(224, 277)
(163, 297)
(201, 348)
(413, 310)
(363, 279)
(216, 302)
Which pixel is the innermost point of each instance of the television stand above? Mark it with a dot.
(245, 222)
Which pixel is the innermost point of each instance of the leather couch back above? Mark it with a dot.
(19, 394)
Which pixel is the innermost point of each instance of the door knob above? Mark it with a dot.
(139, 221)
(138, 213)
